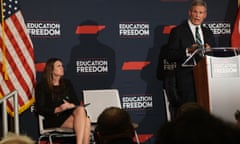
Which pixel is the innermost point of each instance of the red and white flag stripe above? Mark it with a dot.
(235, 38)
(19, 62)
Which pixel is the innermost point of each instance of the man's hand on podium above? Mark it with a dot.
(207, 46)
(191, 49)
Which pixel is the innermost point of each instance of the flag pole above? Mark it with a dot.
(4, 69)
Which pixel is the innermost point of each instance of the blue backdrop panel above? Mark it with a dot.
(110, 35)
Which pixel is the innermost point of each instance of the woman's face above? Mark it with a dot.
(58, 69)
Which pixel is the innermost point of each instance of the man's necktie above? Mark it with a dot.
(198, 38)
(199, 42)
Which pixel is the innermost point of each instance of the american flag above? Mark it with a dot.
(17, 57)
(235, 39)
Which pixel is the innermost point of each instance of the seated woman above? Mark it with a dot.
(57, 102)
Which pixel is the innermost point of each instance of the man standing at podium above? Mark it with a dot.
(183, 41)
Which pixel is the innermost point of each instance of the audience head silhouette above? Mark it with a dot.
(16, 139)
(194, 125)
(114, 125)
(188, 107)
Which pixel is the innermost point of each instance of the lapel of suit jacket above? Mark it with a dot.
(189, 34)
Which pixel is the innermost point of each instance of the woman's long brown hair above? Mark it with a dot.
(47, 73)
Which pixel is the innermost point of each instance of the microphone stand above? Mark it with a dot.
(199, 49)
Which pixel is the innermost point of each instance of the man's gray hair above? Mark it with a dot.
(199, 3)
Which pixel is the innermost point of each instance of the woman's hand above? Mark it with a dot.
(66, 105)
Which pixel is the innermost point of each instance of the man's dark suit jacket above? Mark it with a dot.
(181, 38)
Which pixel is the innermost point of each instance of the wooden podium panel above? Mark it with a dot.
(217, 82)
(201, 84)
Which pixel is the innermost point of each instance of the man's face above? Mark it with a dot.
(197, 14)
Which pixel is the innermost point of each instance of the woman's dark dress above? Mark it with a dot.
(47, 102)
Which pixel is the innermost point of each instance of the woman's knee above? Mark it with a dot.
(79, 111)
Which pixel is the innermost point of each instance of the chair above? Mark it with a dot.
(51, 133)
(98, 100)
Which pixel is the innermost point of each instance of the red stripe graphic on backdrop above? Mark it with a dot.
(167, 29)
(134, 65)
(89, 29)
(40, 67)
(143, 137)
(139, 65)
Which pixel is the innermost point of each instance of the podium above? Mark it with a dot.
(217, 84)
